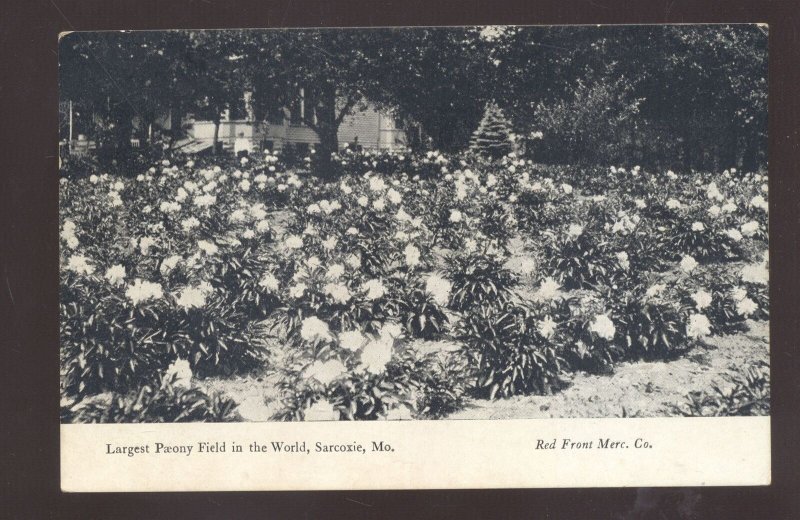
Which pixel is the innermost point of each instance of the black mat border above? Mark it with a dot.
(29, 485)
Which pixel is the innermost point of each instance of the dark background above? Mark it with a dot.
(29, 482)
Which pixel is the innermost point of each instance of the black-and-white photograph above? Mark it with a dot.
(461, 223)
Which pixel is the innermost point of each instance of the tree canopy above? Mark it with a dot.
(678, 96)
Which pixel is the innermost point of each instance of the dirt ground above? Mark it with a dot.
(640, 389)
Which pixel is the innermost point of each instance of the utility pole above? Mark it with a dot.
(69, 143)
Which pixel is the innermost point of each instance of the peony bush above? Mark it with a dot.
(341, 288)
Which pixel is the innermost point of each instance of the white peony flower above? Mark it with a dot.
(189, 224)
(548, 289)
(330, 243)
(310, 230)
(314, 329)
(354, 261)
(248, 234)
(351, 340)
(760, 203)
(169, 263)
(269, 283)
(566, 188)
(455, 215)
(402, 216)
(702, 299)
(603, 327)
(313, 262)
(746, 307)
(439, 288)
(298, 290)
(688, 264)
(334, 272)
(698, 326)
(115, 274)
(412, 255)
(655, 290)
(179, 373)
(734, 234)
(698, 226)
(739, 294)
(673, 204)
(376, 354)
(712, 192)
(293, 242)
(145, 243)
(258, 212)
(623, 260)
(362, 201)
(207, 247)
(750, 228)
(191, 298)
(321, 411)
(262, 226)
(80, 264)
(168, 207)
(204, 201)
(338, 292)
(375, 289)
(755, 273)
(142, 291)
(376, 184)
(326, 372)
(394, 196)
(547, 327)
(575, 230)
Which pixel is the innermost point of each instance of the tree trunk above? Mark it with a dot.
(327, 129)
(122, 132)
(750, 157)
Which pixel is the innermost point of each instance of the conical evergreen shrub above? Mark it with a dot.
(492, 138)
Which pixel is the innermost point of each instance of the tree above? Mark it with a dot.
(331, 72)
(492, 138)
(700, 91)
(117, 76)
(217, 75)
(437, 78)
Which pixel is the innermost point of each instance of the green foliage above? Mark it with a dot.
(701, 239)
(510, 356)
(418, 312)
(357, 395)
(479, 280)
(444, 383)
(162, 402)
(596, 124)
(749, 395)
(579, 260)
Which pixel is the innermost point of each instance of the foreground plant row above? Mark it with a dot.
(192, 269)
